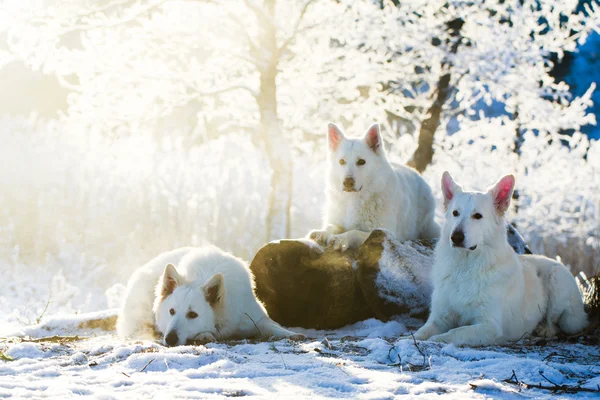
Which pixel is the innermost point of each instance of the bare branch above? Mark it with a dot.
(259, 12)
(226, 90)
(111, 24)
(553, 387)
(103, 8)
(244, 31)
(62, 80)
(215, 92)
(243, 57)
(295, 31)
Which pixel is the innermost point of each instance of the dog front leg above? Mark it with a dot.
(479, 334)
(322, 237)
(270, 329)
(351, 239)
(433, 326)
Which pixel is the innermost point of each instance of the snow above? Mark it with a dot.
(365, 360)
(146, 156)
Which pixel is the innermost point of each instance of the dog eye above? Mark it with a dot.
(361, 162)
(455, 213)
(191, 315)
(342, 162)
(172, 311)
(477, 216)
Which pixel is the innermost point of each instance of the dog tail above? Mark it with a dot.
(106, 323)
(574, 319)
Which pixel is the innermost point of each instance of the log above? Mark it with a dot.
(304, 285)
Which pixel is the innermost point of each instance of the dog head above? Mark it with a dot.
(475, 219)
(354, 164)
(186, 311)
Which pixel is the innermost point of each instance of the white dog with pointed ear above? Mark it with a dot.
(209, 296)
(365, 192)
(483, 292)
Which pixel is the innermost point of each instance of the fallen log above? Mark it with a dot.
(303, 284)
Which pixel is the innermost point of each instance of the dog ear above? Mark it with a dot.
(373, 137)
(502, 192)
(334, 136)
(214, 289)
(169, 281)
(449, 188)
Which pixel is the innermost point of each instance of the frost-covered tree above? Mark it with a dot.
(277, 70)
(499, 61)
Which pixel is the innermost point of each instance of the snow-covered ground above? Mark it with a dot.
(365, 360)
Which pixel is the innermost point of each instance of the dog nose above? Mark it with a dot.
(458, 238)
(349, 183)
(172, 339)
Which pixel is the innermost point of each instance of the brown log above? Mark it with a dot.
(304, 285)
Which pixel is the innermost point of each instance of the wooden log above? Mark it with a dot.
(302, 284)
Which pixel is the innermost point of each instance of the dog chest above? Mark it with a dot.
(465, 296)
(366, 214)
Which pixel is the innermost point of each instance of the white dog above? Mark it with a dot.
(365, 192)
(208, 296)
(486, 294)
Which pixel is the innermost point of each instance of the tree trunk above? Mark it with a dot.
(424, 153)
(517, 149)
(276, 146)
(518, 134)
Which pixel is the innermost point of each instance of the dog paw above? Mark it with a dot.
(547, 330)
(291, 336)
(319, 236)
(203, 338)
(297, 337)
(443, 338)
(339, 242)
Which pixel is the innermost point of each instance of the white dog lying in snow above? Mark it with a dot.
(208, 296)
(483, 292)
(365, 192)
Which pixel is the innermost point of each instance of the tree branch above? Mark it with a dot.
(110, 24)
(259, 12)
(295, 31)
(554, 388)
(227, 89)
(244, 31)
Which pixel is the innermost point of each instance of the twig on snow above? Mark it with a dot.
(38, 319)
(554, 388)
(412, 367)
(55, 339)
(340, 368)
(146, 366)
(423, 366)
(283, 361)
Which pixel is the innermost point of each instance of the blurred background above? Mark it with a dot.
(130, 127)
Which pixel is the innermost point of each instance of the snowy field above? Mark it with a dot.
(365, 360)
(129, 128)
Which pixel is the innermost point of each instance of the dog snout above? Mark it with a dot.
(458, 238)
(172, 339)
(349, 183)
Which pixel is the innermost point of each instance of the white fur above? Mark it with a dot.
(157, 288)
(484, 293)
(395, 198)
